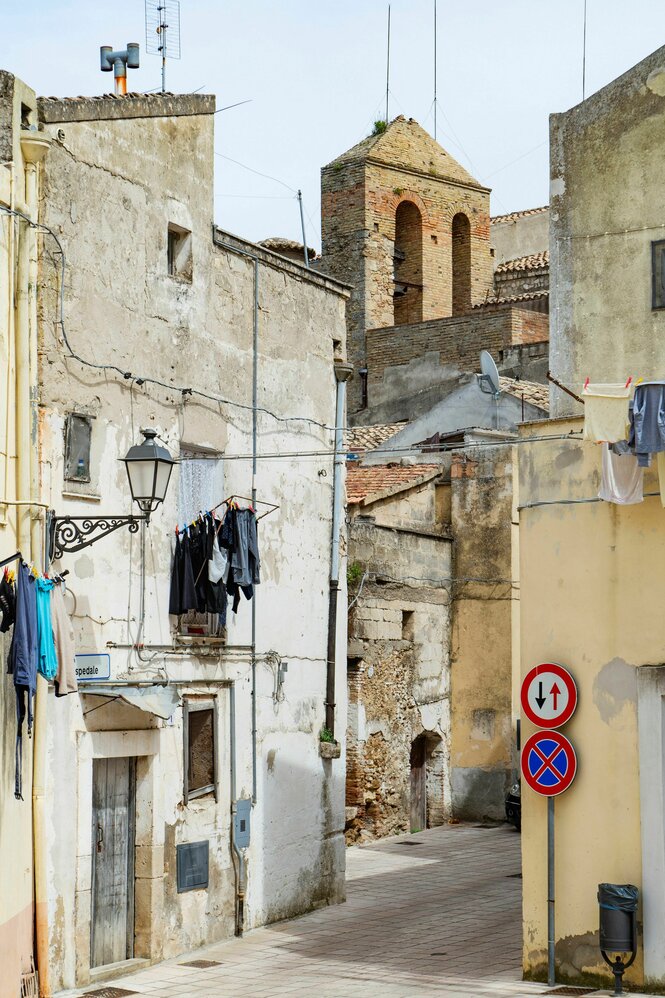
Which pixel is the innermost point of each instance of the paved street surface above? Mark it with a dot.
(427, 914)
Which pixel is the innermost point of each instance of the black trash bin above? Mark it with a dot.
(618, 917)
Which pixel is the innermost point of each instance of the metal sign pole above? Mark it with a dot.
(550, 892)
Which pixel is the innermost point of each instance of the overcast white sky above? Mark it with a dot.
(315, 73)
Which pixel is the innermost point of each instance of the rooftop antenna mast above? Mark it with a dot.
(162, 31)
(584, 55)
(435, 70)
(388, 66)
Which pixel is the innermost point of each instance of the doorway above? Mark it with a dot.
(113, 828)
(418, 785)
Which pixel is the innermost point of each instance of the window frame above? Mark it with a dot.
(69, 422)
(657, 254)
(191, 705)
(179, 253)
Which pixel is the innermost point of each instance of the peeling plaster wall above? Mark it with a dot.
(481, 653)
(399, 684)
(112, 187)
(606, 208)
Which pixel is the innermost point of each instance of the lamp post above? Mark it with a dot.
(149, 469)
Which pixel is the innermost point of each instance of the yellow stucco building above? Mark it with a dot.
(591, 572)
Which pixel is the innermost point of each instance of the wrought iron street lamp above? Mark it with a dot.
(149, 469)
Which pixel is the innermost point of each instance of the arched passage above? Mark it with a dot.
(408, 260)
(461, 264)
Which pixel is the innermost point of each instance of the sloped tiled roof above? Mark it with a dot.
(512, 299)
(531, 391)
(514, 215)
(365, 484)
(364, 438)
(406, 144)
(534, 261)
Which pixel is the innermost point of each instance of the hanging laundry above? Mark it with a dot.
(245, 558)
(621, 480)
(606, 412)
(183, 590)
(218, 566)
(47, 663)
(63, 638)
(647, 421)
(22, 662)
(7, 602)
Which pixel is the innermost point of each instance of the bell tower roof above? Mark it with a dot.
(406, 145)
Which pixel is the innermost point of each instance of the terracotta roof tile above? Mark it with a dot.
(364, 438)
(513, 299)
(512, 216)
(532, 392)
(535, 261)
(368, 483)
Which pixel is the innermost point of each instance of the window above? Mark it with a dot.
(461, 264)
(658, 274)
(408, 264)
(200, 748)
(200, 488)
(364, 398)
(78, 432)
(408, 625)
(179, 252)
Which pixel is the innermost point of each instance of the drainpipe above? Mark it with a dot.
(342, 374)
(33, 147)
(239, 868)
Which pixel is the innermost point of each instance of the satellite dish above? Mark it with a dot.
(490, 375)
(488, 381)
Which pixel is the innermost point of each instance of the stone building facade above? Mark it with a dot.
(398, 732)
(157, 330)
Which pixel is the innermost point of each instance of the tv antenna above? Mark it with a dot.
(162, 31)
(488, 381)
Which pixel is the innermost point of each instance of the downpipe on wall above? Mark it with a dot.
(239, 865)
(343, 372)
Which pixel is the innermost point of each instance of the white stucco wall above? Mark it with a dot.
(112, 188)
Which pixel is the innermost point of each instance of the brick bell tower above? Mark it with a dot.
(408, 228)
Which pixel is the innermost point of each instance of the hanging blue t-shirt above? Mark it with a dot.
(47, 662)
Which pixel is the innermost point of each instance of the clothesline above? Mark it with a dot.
(229, 499)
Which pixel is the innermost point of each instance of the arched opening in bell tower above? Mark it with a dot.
(408, 261)
(461, 264)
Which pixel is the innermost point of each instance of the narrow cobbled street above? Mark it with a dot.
(433, 913)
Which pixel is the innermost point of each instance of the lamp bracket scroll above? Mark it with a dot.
(73, 533)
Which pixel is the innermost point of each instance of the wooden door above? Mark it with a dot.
(112, 916)
(418, 786)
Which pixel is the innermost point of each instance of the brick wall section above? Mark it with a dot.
(458, 340)
(360, 195)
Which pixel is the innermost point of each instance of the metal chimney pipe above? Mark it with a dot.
(118, 62)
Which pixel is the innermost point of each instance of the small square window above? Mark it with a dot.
(408, 625)
(658, 274)
(179, 252)
(199, 748)
(78, 433)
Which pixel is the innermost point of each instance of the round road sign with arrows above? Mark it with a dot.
(549, 763)
(549, 695)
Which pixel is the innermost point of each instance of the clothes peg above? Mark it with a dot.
(629, 381)
(586, 384)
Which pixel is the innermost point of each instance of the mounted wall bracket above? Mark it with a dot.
(73, 533)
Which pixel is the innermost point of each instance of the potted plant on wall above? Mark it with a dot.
(328, 747)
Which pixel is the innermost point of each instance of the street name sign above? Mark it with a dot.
(549, 695)
(549, 763)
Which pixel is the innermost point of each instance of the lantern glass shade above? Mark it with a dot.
(149, 469)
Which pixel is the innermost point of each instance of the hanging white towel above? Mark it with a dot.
(606, 412)
(621, 479)
(218, 566)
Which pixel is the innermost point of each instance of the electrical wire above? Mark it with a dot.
(144, 379)
(258, 173)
